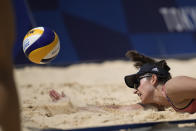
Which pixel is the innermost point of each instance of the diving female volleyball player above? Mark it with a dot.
(154, 85)
(9, 105)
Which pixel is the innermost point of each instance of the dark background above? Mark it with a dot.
(94, 30)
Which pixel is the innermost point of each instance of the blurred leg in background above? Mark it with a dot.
(9, 103)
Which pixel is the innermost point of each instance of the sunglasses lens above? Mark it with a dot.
(136, 85)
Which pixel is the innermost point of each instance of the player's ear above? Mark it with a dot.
(154, 79)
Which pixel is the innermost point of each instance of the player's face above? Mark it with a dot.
(145, 89)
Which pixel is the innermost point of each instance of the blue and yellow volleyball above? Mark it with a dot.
(41, 45)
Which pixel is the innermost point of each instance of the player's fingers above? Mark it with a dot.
(54, 95)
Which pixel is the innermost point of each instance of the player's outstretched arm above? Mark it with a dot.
(56, 96)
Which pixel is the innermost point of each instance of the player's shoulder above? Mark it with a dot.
(178, 80)
(179, 83)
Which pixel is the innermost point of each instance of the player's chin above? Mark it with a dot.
(144, 99)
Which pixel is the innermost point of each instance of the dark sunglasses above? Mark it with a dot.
(137, 82)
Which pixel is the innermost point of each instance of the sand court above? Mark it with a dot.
(86, 88)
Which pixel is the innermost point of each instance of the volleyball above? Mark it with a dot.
(41, 45)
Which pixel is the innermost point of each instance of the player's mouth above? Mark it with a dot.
(138, 93)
